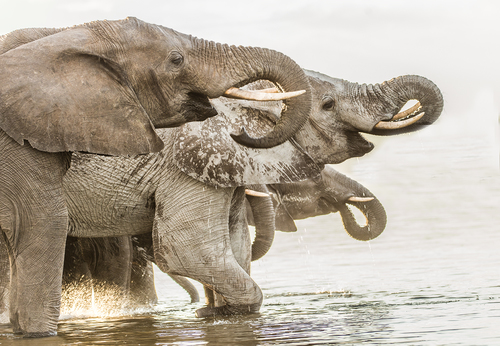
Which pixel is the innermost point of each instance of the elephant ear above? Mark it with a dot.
(206, 152)
(284, 222)
(60, 95)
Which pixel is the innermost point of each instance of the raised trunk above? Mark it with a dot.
(242, 65)
(264, 220)
(395, 93)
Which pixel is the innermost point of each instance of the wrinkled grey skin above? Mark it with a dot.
(103, 88)
(327, 194)
(185, 193)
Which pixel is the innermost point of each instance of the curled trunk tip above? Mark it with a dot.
(375, 216)
(397, 91)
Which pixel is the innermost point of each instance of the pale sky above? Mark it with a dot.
(455, 43)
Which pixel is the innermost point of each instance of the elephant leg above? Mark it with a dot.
(76, 270)
(240, 240)
(191, 238)
(4, 276)
(142, 283)
(113, 262)
(34, 220)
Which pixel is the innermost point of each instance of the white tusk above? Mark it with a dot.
(360, 199)
(394, 125)
(256, 193)
(404, 114)
(257, 95)
(268, 90)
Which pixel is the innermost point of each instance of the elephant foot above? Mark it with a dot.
(227, 310)
(40, 334)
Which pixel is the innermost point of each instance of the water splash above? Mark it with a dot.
(87, 299)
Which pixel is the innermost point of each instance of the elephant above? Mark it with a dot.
(104, 88)
(329, 193)
(184, 195)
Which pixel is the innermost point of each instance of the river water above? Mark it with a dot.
(432, 277)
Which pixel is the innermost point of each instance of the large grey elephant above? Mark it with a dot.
(103, 88)
(185, 194)
(125, 263)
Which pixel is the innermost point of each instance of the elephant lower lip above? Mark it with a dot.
(203, 112)
(198, 108)
(362, 150)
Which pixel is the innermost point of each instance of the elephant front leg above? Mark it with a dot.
(240, 241)
(210, 261)
(34, 221)
(191, 238)
(36, 273)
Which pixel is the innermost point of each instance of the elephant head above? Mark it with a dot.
(103, 87)
(331, 192)
(341, 112)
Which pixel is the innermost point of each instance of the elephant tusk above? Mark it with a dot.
(360, 199)
(256, 193)
(257, 95)
(268, 90)
(401, 115)
(394, 125)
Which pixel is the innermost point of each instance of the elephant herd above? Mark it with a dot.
(124, 143)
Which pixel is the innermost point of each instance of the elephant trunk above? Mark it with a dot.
(375, 216)
(264, 220)
(355, 194)
(395, 93)
(248, 64)
(188, 287)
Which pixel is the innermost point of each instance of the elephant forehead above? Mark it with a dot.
(206, 152)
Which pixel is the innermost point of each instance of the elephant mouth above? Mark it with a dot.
(402, 119)
(197, 108)
(358, 145)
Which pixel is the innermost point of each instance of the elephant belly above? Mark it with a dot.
(109, 196)
(95, 219)
(110, 222)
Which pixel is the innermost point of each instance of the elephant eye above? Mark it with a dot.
(176, 58)
(328, 103)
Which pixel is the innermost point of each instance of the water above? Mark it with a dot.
(432, 277)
